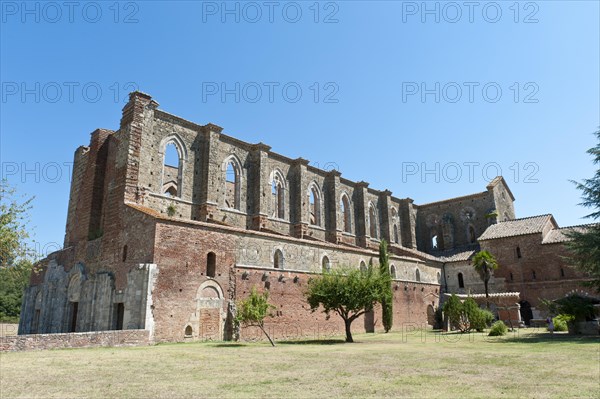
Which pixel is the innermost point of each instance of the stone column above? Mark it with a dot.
(299, 198)
(385, 227)
(211, 168)
(259, 189)
(333, 218)
(361, 210)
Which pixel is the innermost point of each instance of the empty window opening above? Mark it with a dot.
(171, 171)
(511, 277)
(363, 267)
(533, 276)
(439, 277)
(518, 252)
(74, 307)
(417, 275)
(393, 271)
(562, 272)
(211, 264)
(36, 322)
(120, 314)
(345, 205)
(278, 259)
(325, 265)
(232, 186)
(461, 281)
(277, 192)
(472, 237)
(396, 237)
(124, 253)
(314, 207)
(372, 221)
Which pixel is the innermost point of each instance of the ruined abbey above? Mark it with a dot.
(168, 244)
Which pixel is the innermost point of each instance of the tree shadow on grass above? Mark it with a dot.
(313, 342)
(547, 338)
(232, 345)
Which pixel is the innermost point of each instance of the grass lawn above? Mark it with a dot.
(416, 365)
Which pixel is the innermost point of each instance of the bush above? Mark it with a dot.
(479, 319)
(561, 322)
(498, 329)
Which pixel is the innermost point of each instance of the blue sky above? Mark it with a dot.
(429, 100)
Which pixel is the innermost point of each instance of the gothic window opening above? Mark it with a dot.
(518, 252)
(188, 331)
(232, 185)
(396, 236)
(533, 276)
(363, 267)
(171, 181)
(461, 281)
(393, 271)
(372, 221)
(345, 206)
(314, 206)
(472, 236)
(417, 275)
(562, 272)
(325, 265)
(278, 259)
(211, 264)
(277, 191)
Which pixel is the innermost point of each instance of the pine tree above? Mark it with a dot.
(387, 311)
(585, 243)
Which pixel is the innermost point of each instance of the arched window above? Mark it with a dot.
(417, 275)
(562, 272)
(345, 205)
(171, 180)
(518, 252)
(372, 221)
(232, 184)
(393, 271)
(278, 259)
(533, 276)
(124, 253)
(325, 265)
(277, 191)
(472, 236)
(396, 236)
(314, 205)
(211, 264)
(511, 277)
(434, 241)
(439, 277)
(461, 281)
(363, 266)
(188, 331)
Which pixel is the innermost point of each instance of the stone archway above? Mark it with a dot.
(210, 314)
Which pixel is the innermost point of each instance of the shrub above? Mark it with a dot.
(498, 329)
(561, 322)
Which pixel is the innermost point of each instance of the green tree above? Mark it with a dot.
(13, 225)
(454, 311)
(15, 258)
(485, 264)
(387, 311)
(345, 291)
(585, 243)
(13, 281)
(253, 310)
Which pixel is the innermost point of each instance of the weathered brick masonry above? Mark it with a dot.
(169, 243)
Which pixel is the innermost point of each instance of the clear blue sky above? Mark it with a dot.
(370, 61)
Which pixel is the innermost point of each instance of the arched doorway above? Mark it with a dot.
(431, 316)
(210, 313)
(526, 313)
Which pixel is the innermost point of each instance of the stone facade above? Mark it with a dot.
(171, 248)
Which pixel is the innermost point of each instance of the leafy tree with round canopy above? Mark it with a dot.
(346, 291)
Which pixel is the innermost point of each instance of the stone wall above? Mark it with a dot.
(74, 340)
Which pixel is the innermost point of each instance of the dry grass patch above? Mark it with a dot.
(422, 364)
